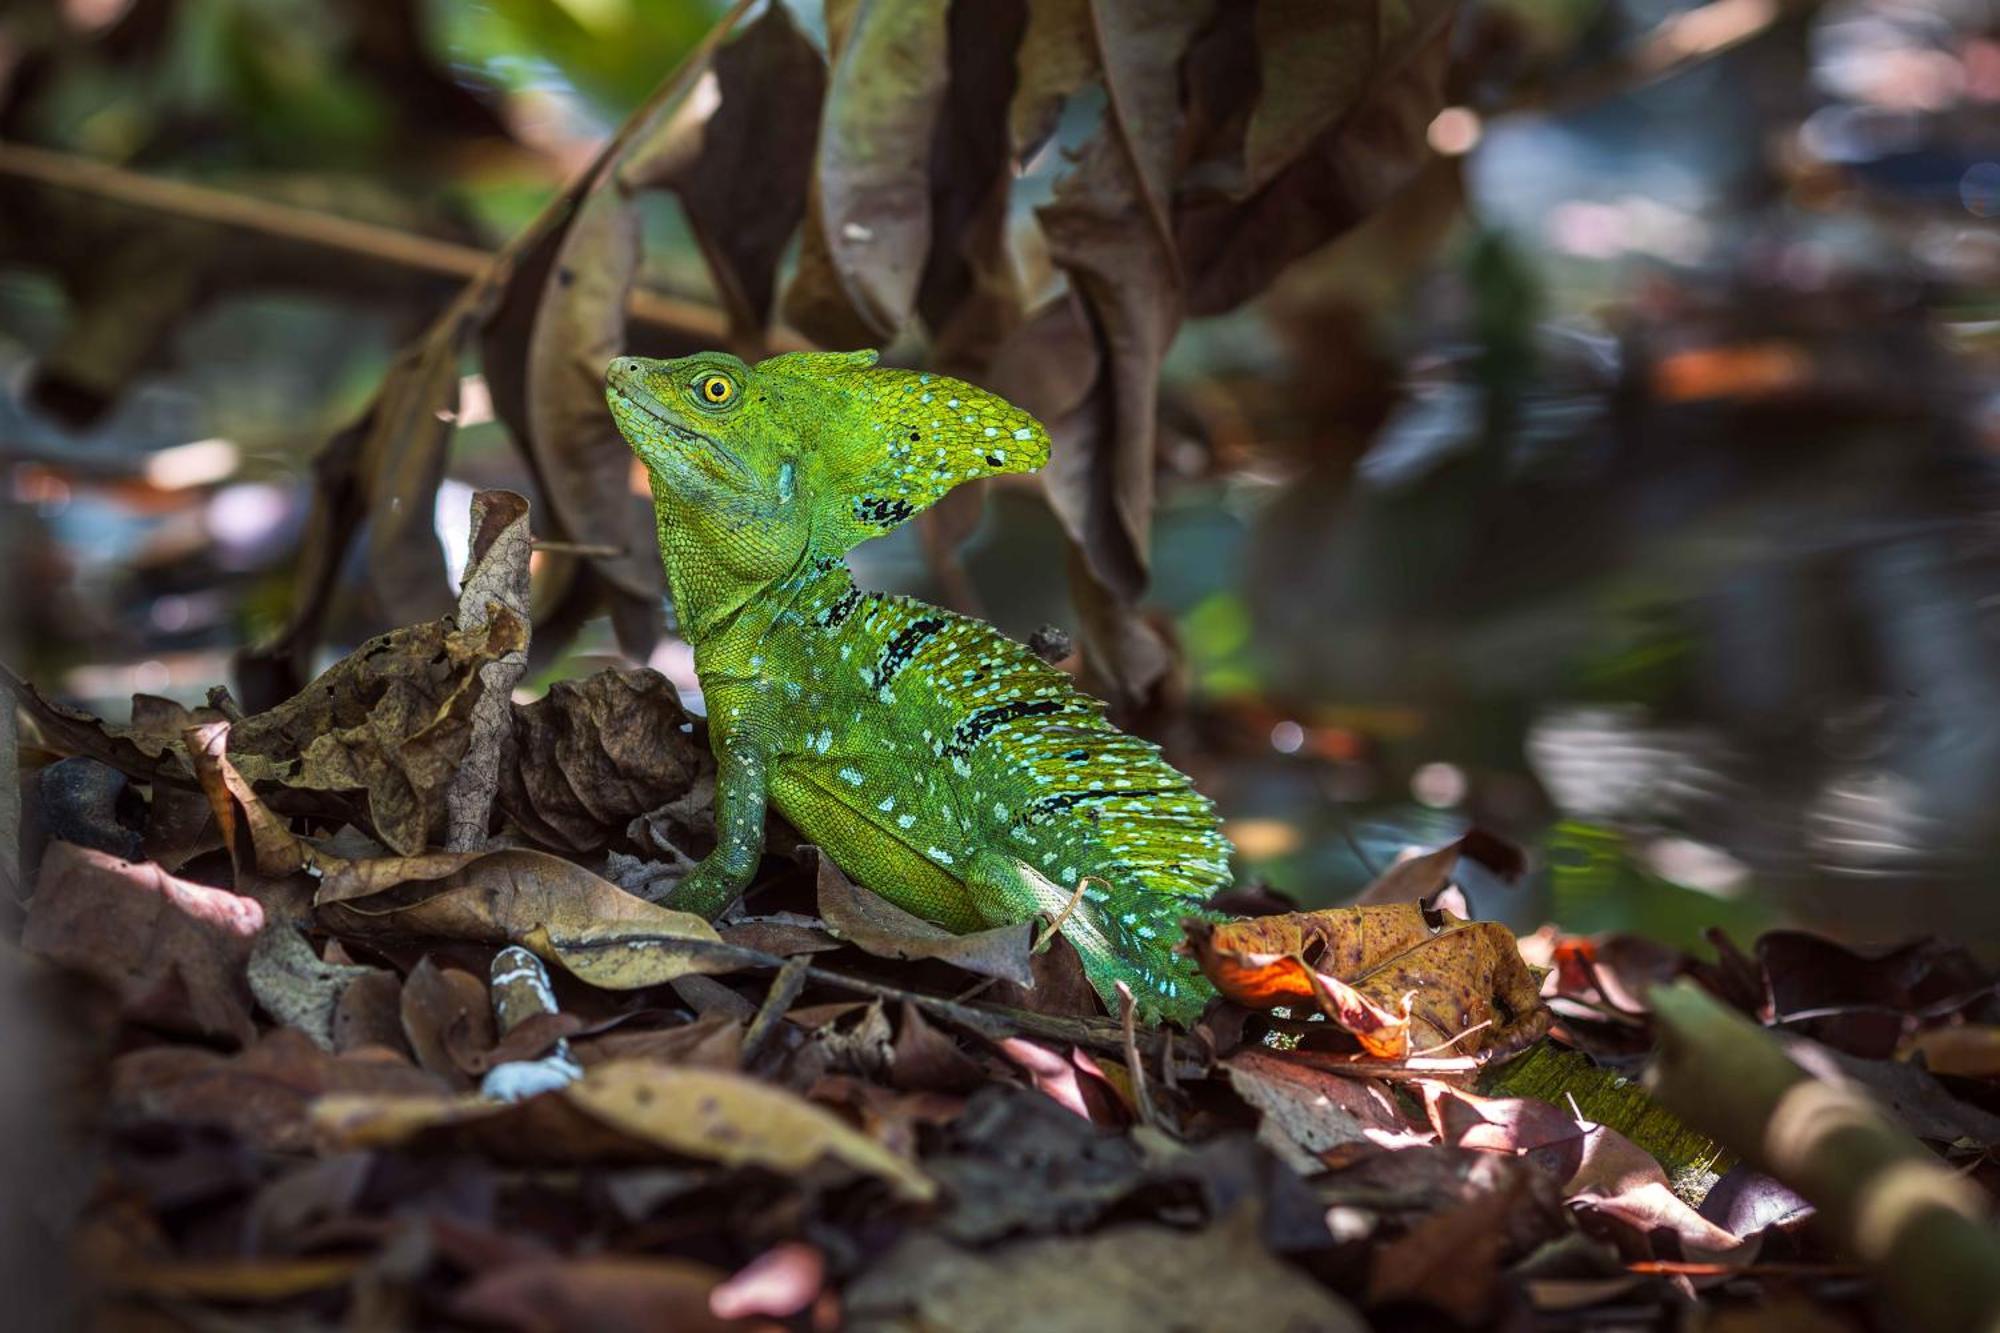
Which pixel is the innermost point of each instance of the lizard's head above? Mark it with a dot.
(810, 450)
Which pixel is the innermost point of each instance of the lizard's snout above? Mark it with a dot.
(621, 371)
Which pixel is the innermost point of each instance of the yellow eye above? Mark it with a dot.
(715, 390)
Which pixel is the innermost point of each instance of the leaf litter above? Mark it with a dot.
(399, 1043)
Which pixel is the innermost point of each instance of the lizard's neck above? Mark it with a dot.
(720, 615)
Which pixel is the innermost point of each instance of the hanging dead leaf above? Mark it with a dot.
(868, 225)
(1302, 191)
(745, 190)
(1404, 981)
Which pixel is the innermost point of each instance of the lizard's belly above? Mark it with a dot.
(886, 835)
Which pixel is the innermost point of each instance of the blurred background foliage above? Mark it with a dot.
(1619, 475)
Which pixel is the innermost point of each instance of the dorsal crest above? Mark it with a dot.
(894, 441)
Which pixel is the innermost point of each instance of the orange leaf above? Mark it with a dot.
(1403, 980)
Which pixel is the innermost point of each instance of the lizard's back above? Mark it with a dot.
(958, 740)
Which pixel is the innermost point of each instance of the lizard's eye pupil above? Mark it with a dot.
(716, 389)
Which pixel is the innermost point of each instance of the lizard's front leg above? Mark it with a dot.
(742, 786)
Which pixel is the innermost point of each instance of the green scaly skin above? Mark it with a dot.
(939, 763)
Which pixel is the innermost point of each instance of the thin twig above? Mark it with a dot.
(785, 988)
(1128, 1010)
(329, 232)
(1043, 940)
(578, 548)
(1450, 1042)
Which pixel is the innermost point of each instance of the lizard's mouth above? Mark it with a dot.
(702, 447)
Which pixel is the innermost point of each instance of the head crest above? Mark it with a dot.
(906, 439)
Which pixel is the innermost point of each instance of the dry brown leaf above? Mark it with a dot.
(446, 1010)
(593, 754)
(745, 190)
(868, 227)
(174, 951)
(711, 1115)
(1401, 984)
(264, 1092)
(1124, 1277)
(1306, 1111)
(873, 923)
(1415, 878)
(515, 895)
(1969, 1050)
(1451, 1259)
(604, 1293)
(298, 987)
(496, 582)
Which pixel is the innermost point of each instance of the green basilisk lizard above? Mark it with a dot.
(939, 763)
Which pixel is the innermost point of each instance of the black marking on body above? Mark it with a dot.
(896, 654)
(976, 727)
(1057, 802)
(840, 608)
(882, 511)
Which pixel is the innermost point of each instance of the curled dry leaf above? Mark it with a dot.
(1415, 878)
(873, 923)
(377, 740)
(518, 896)
(173, 951)
(1401, 984)
(496, 582)
(745, 189)
(593, 754)
(446, 1016)
(1600, 1170)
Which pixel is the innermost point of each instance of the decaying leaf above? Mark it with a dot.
(261, 1093)
(1415, 878)
(173, 951)
(871, 922)
(869, 222)
(1404, 981)
(298, 987)
(607, 1293)
(496, 583)
(715, 1116)
(745, 189)
(1134, 1276)
(592, 755)
(517, 896)
(1306, 1111)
